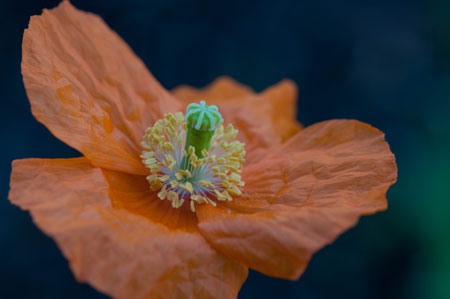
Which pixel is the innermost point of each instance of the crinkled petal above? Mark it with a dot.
(263, 120)
(132, 193)
(89, 89)
(301, 196)
(121, 254)
(220, 90)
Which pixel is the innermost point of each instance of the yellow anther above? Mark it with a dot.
(180, 173)
(234, 178)
(148, 155)
(172, 195)
(170, 132)
(204, 153)
(188, 187)
(179, 117)
(230, 132)
(172, 119)
(199, 199)
(196, 198)
(155, 185)
(205, 183)
(234, 159)
(222, 175)
(151, 161)
(221, 161)
(234, 190)
(162, 139)
(226, 184)
(163, 193)
(191, 150)
(155, 168)
(157, 128)
(168, 146)
(212, 159)
(180, 203)
(213, 203)
(172, 162)
(192, 206)
(220, 196)
(194, 159)
(186, 172)
(227, 195)
(174, 183)
(164, 178)
(233, 166)
(152, 177)
(177, 203)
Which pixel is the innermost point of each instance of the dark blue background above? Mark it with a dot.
(383, 62)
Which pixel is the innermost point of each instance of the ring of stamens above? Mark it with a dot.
(180, 176)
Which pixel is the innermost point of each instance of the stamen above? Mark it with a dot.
(193, 158)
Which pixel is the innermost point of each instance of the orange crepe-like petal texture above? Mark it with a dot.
(89, 89)
(119, 253)
(131, 192)
(301, 196)
(263, 120)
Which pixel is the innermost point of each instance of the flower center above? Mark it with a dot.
(193, 158)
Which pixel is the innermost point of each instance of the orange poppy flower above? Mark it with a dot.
(303, 187)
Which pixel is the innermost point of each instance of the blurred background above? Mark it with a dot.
(384, 62)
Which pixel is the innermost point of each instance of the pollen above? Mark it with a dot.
(185, 174)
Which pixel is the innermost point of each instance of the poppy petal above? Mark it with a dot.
(301, 196)
(121, 254)
(132, 193)
(220, 90)
(89, 89)
(263, 119)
